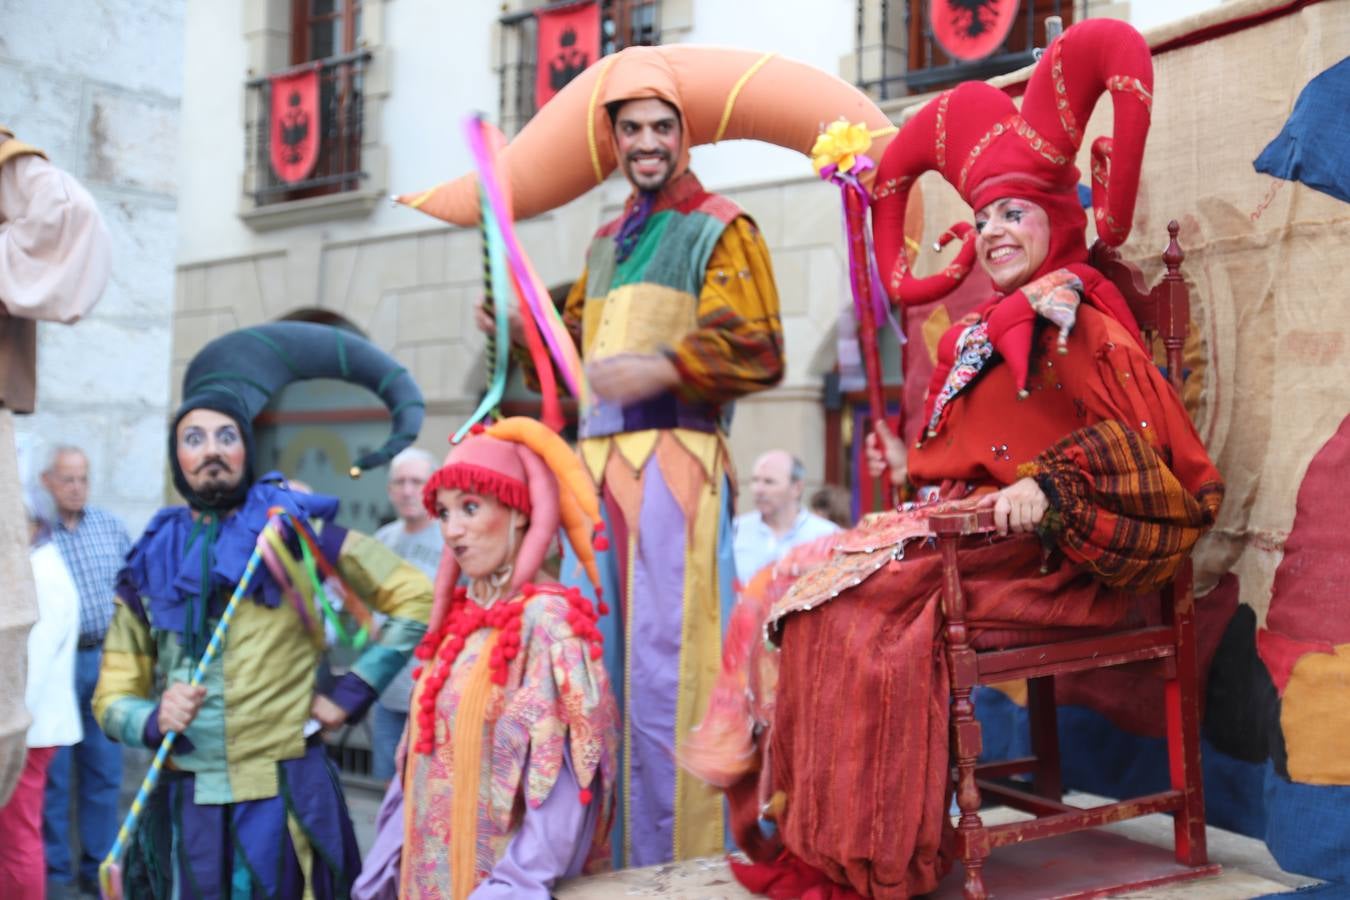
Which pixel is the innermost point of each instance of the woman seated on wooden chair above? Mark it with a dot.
(505, 772)
(1045, 407)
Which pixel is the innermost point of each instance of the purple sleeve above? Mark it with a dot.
(330, 538)
(354, 696)
(553, 842)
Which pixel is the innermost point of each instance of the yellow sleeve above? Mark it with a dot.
(122, 700)
(388, 584)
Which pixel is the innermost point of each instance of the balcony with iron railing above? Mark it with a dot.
(898, 54)
(341, 132)
(623, 23)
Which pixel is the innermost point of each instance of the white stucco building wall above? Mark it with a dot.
(97, 86)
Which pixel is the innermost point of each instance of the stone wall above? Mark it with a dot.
(97, 86)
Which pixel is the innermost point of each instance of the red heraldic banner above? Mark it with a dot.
(569, 41)
(295, 125)
(971, 29)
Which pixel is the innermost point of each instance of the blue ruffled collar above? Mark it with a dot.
(164, 572)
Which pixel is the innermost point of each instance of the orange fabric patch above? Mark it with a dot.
(1316, 720)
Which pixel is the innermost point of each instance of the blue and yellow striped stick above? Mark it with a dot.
(109, 871)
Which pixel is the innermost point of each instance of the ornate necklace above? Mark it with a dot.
(439, 650)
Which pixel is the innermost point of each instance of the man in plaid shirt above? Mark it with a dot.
(94, 545)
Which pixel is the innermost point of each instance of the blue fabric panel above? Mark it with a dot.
(1330, 891)
(1308, 830)
(1314, 146)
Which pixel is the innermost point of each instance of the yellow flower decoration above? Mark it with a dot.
(840, 145)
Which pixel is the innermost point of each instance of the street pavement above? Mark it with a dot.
(1248, 868)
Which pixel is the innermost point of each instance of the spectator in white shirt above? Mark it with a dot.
(779, 522)
(51, 701)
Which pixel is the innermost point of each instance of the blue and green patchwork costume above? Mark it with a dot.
(250, 805)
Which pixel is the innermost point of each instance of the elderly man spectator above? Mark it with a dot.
(779, 522)
(414, 537)
(94, 545)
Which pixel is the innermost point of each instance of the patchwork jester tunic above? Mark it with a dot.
(249, 804)
(497, 808)
(697, 287)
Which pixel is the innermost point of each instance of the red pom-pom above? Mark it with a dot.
(423, 652)
(416, 672)
(601, 543)
(604, 608)
(499, 676)
(529, 589)
(597, 651)
(477, 428)
(510, 652)
(584, 795)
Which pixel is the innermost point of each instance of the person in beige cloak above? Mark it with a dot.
(55, 256)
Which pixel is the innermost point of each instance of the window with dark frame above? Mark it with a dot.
(321, 29)
(887, 29)
(325, 34)
(623, 23)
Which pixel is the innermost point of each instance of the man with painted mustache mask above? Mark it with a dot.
(249, 778)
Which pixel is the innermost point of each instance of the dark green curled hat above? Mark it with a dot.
(239, 372)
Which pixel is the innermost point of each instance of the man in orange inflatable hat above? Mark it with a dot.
(676, 316)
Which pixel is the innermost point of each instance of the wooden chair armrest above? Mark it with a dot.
(961, 522)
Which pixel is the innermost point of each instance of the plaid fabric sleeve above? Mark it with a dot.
(737, 347)
(1117, 508)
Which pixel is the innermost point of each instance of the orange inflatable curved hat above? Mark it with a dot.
(723, 94)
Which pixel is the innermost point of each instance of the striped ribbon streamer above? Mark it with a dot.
(497, 299)
(527, 281)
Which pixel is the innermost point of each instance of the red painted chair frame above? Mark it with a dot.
(1165, 312)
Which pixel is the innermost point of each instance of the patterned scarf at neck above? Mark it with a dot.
(633, 223)
(973, 350)
(1004, 330)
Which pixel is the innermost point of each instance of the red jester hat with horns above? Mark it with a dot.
(976, 138)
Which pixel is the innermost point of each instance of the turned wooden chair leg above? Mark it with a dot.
(1044, 720)
(971, 837)
(1182, 702)
(972, 841)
